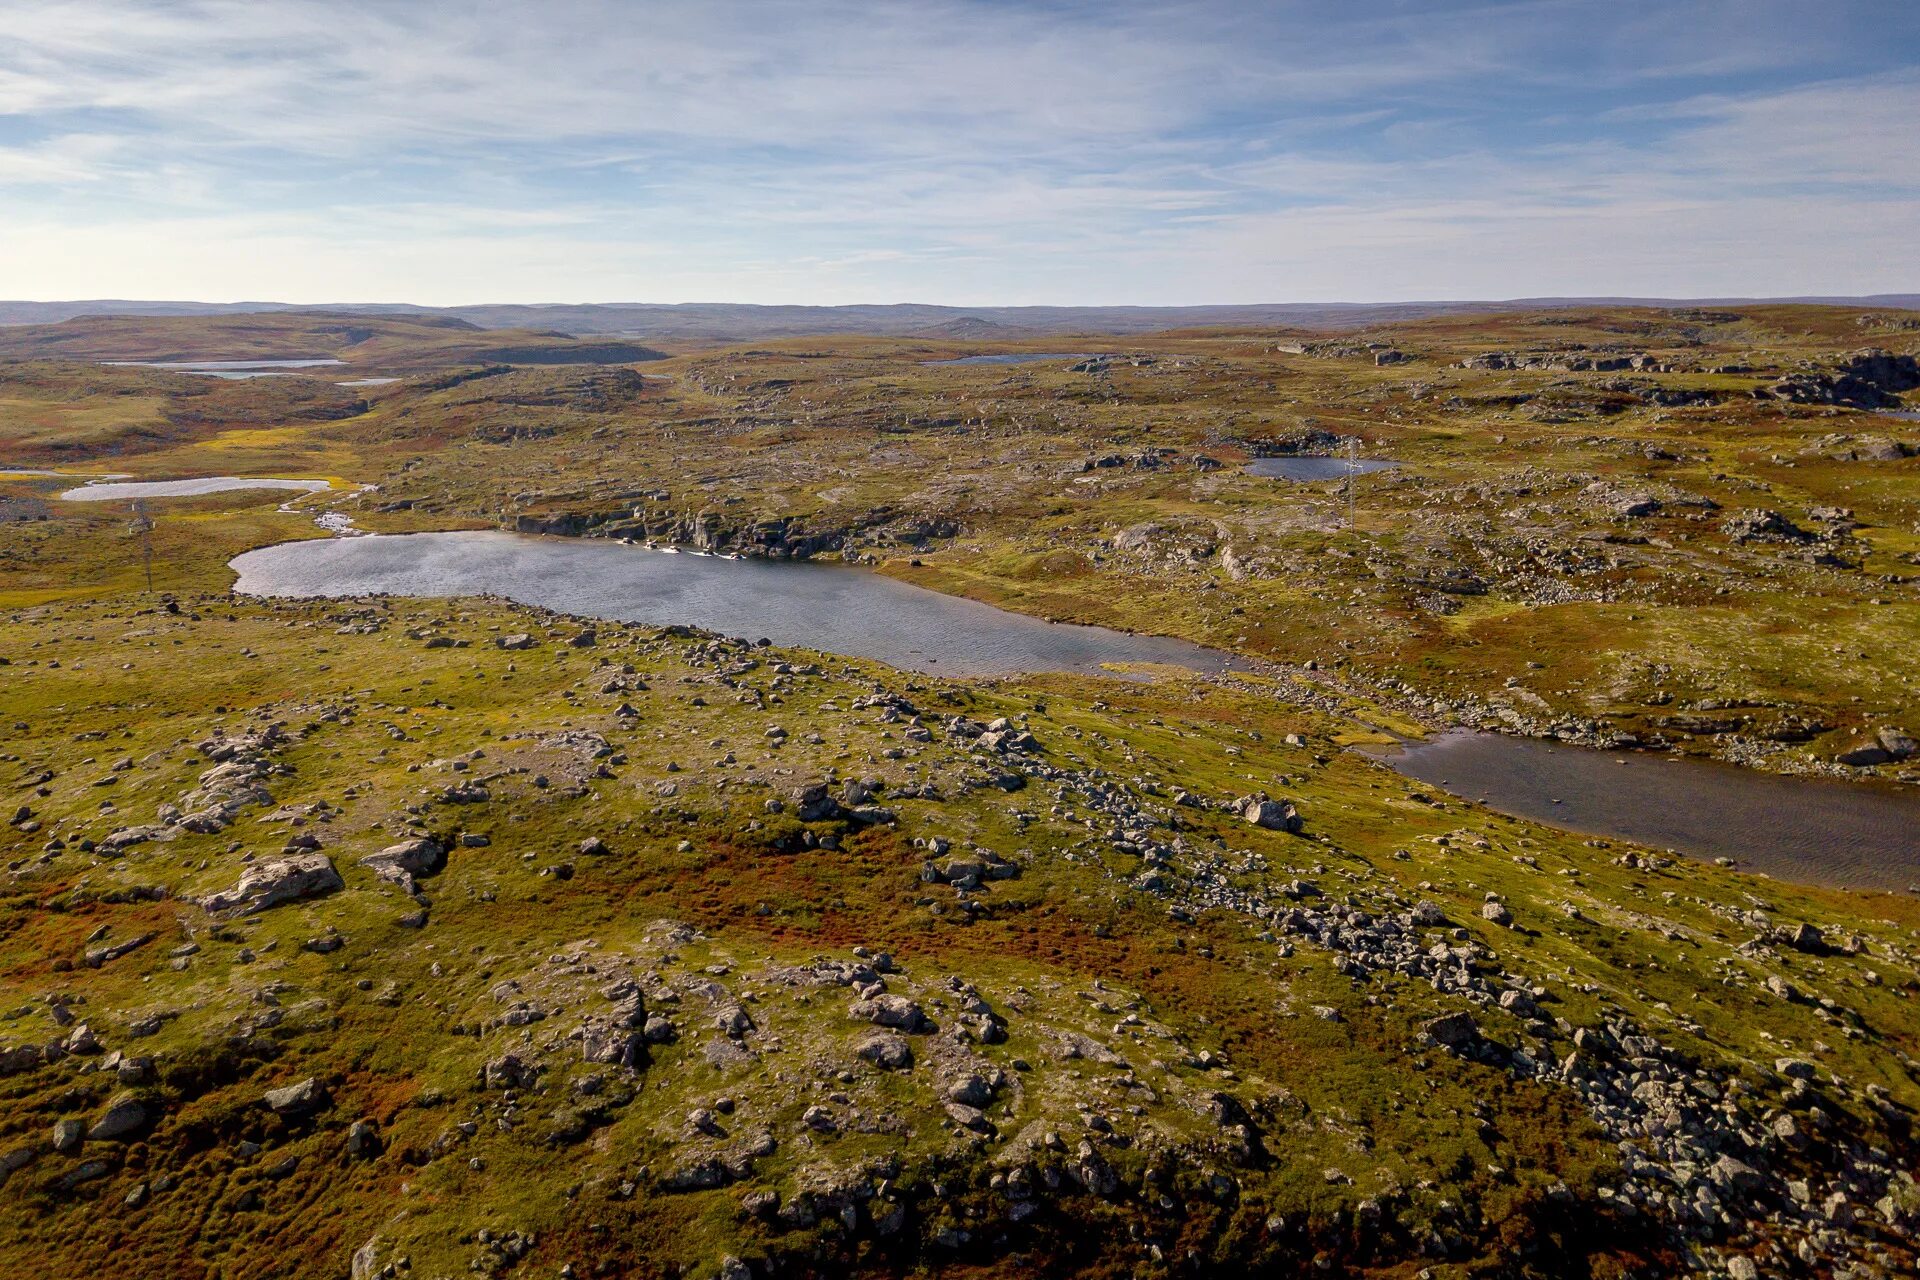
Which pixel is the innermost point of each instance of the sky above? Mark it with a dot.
(969, 152)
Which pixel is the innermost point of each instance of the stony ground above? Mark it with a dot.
(430, 938)
(1696, 529)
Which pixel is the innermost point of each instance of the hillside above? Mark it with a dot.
(389, 935)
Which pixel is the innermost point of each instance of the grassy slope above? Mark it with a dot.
(372, 713)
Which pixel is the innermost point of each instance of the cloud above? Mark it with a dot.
(844, 150)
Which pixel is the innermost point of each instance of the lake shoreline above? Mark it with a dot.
(522, 559)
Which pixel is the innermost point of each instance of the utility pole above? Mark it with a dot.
(143, 527)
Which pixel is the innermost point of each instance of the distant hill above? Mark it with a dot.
(730, 322)
(391, 340)
(973, 328)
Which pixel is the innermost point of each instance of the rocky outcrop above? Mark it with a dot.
(269, 884)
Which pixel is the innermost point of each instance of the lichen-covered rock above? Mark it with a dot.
(281, 880)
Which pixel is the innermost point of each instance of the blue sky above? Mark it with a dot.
(959, 151)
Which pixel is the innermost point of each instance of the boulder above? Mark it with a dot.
(893, 1011)
(124, 1114)
(814, 803)
(1452, 1030)
(1897, 743)
(296, 1099)
(1805, 937)
(68, 1135)
(1271, 815)
(400, 863)
(281, 880)
(1863, 754)
(886, 1051)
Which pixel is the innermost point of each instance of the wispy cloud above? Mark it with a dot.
(968, 150)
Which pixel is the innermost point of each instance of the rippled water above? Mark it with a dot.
(1305, 466)
(1828, 832)
(185, 488)
(832, 607)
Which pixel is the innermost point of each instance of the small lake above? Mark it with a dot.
(1020, 357)
(836, 608)
(1306, 466)
(232, 370)
(185, 488)
(1853, 835)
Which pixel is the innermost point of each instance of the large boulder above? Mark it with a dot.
(1863, 754)
(400, 863)
(893, 1011)
(296, 1099)
(1454, 1030)
(269, 884)
(814, 803)
(886, 1051)
(125, 1113)
(1271, 815)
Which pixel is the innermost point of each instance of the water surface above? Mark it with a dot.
(833, 607)
(1308, 466)
(232, 370)
(1828, 832)
(1019, 357)
(1821, 832)
(185, 488)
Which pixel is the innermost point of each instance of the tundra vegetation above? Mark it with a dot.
(424, 938)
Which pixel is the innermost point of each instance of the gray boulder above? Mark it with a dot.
(281, 880)
(296, 1099)
(893, 1011)
(400, 863)
(124, 1114)
(1270, 815)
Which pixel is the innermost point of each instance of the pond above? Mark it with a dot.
(1807, 829)
(1307, 466)
(1018, 357)
(833, 607)
(98, 492)
(232, 370)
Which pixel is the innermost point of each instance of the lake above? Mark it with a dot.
(837, 608)
(1018, 357)
(1856, 835)
(232, 370)
(185, 488)
(1306, 466)
(1833, 832)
